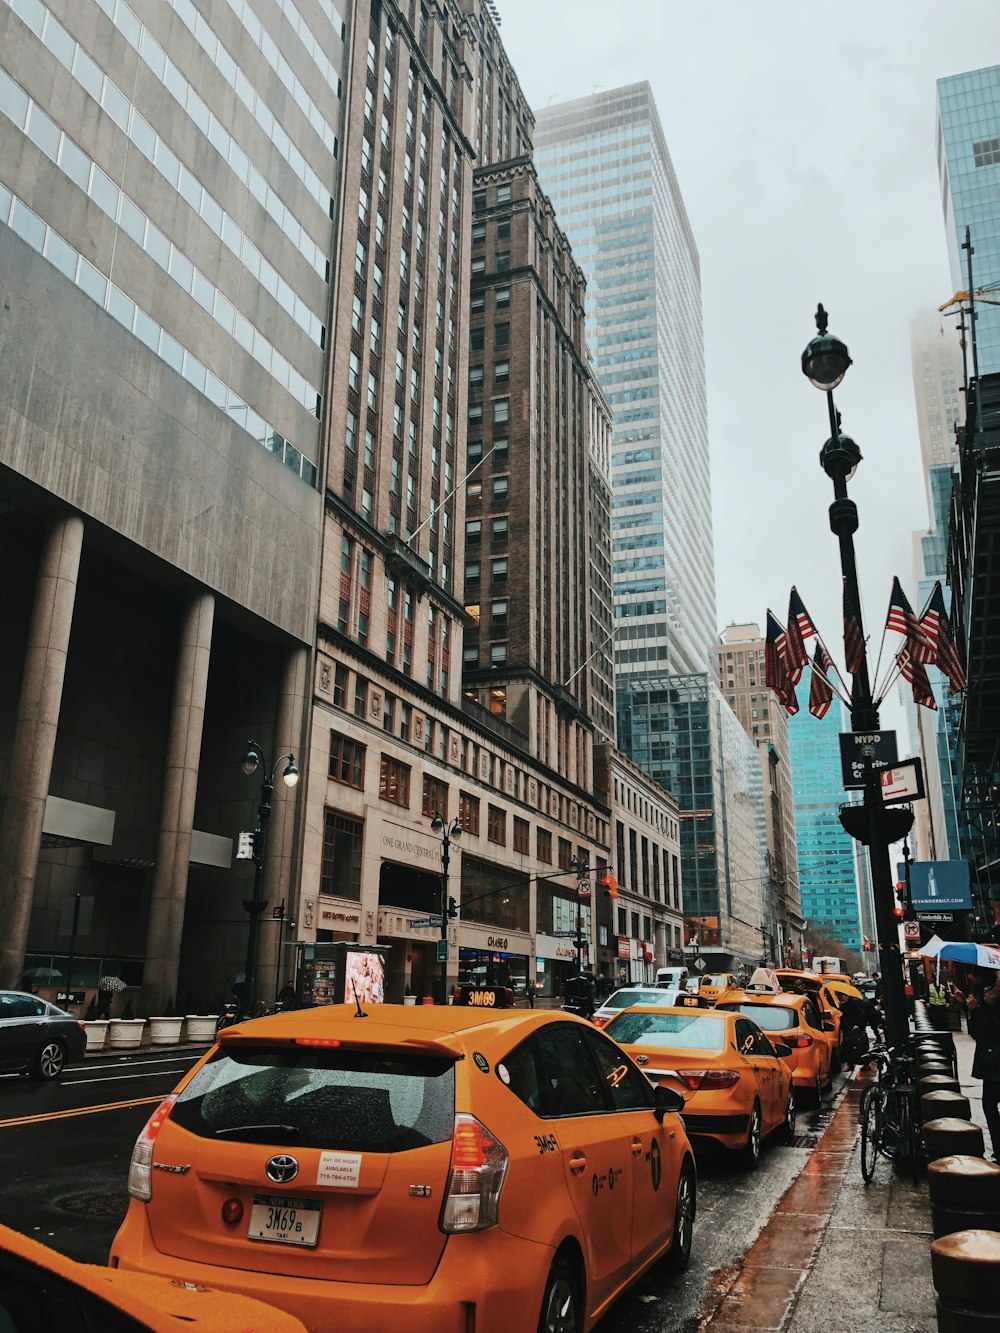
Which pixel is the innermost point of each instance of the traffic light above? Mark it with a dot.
(899, 910)
(609, 884)
(452, 908)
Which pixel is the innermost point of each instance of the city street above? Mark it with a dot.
(65, 1148)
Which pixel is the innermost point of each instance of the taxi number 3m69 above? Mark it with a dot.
(289, 1221)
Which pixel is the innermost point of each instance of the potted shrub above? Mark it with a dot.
(165, 1030)
(126, 1032)
(96, 1028)
(200, 1028)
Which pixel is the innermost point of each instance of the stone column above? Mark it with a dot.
(281, 853)
(35, 737)
(180, 786)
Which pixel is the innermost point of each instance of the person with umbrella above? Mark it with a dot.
(107, 989)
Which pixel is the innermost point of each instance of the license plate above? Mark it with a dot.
(289, 1221)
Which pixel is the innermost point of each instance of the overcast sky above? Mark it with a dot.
(803, 137)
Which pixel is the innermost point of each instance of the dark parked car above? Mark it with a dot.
(36, 1037)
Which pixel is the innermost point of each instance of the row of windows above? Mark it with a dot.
(36, 233)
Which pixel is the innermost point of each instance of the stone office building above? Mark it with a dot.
(168, 217)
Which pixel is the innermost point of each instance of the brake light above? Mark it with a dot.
(81, 1025)
(599, 1022)
(140, 1170)
(315, 1041)
(704, 1080)
(801, 1041)
(478, 1169)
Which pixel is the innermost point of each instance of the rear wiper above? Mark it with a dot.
(258, 1131)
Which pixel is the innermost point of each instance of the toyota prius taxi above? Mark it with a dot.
(443, 1170)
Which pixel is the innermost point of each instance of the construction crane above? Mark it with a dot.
(990, 295)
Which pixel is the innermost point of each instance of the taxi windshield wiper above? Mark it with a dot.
(264, 1132)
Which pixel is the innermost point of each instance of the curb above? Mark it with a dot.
(111, 1053)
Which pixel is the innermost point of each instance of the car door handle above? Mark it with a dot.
(637, 1147)
(577, 1163)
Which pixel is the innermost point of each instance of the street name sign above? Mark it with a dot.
(938, 918)
(852, 758)
(902, 782)
(425, 922)
(564, 934)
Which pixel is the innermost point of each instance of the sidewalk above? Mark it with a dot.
(839, 1255)
(147, 1048)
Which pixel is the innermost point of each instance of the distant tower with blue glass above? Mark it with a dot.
(828, 881)
(968, 154)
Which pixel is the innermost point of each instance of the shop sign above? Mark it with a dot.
(497, 942)
(480, 937)
(338, 918)
(623, 948)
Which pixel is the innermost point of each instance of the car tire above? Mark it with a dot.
(788, 1124)
(749, 1154)
(678, 1256)
(562, 1307)
(49, 1062)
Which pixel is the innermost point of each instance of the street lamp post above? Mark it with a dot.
(825, 362)
(449, 833)
(252, 760)
(580, 869)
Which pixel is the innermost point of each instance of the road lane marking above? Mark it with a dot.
(82, 1110)
(134, 1064)
(117, 1078)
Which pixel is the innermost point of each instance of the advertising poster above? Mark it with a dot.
(364, 978)
(937, 885)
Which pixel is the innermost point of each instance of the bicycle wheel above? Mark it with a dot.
(871, 1132)
(909, 1137)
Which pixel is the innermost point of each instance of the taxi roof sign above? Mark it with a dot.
(764, 982)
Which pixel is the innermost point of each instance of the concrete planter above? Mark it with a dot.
(97, 1031)
(409, 999)
(165, 1031)
(126, 1033)
(200, 1028)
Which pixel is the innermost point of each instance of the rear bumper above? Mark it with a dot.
(730, 1130)
(463, 1296)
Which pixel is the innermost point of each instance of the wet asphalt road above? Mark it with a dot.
(65, 1149)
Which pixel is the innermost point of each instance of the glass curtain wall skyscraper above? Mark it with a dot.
(603, 160)
(968, 153)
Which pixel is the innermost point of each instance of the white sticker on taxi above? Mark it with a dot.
(339, 1168)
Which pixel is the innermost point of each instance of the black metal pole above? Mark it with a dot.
(72, 949)
(442, 962)
(910, 914)
(255, 905)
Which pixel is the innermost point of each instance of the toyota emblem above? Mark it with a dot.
(281, 1169)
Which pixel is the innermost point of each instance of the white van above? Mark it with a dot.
(671, 978)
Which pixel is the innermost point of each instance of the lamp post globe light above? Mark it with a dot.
(825, 362)
(449, 833)
(252, 760)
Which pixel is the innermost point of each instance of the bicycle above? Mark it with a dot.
(889, 1113)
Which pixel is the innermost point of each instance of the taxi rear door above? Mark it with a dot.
(596, 1162)
(759, 1068)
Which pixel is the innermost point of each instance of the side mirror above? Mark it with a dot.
(666, 1099)
(782, 1048)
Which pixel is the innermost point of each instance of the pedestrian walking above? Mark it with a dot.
(530, 988)
(983, 1004)
(937, 1005)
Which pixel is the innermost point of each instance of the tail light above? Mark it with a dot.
(478, 1169)
(704, 1080)
(140, 1180)
(81, 1025)
(599, 1022)
(800, 1042)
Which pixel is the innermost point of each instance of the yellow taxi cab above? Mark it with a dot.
(42, 1290)
(739, 1088)
(795, 1021)
(713, 984)
(447, 1169)
(828, 997)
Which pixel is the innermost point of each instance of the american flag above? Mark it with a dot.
(800, 628)
(913, 670)
(902, 619)
(936, 624)
(854, 640)
(820, 689)
(776, 675)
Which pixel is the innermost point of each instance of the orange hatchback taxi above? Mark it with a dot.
(452, 1170)
(794, 1020)
(739, 1086)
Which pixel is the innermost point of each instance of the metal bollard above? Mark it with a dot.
(938, 1083)
(936, 1105)
(948, 1138)
(965, 1194)
(966, 1271)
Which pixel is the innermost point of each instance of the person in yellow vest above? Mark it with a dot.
(937, 1004)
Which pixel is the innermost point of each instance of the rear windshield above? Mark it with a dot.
(623, 998)
(355, 1101)
(715, 981)
(769, 1017)
(699, 1031)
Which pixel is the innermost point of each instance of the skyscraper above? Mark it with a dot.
(968, 154)
(604, 162)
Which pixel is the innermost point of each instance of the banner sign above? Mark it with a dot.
(852, 759)
(938, 885)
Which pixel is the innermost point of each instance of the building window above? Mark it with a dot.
(498, 570)
(522, 832)
(478, 233)
(565, 854)
(503, 194)
(468, 813)
(342, 838)
(477, 338)
(435, 798)
(496, 825)
(501, 297)
(499, 529)
(501, 411)
(498, 654)
(498, 615)
(339, 685)
(502, 262)
(543, 846)
(501, 489)
(360, 696)
(986, 153)
(501, 335)
(347, 761)
(394, 782)
(473, 532)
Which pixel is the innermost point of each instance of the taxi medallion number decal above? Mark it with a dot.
(597, 1182)
(546, 1143)
(276, 1217)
